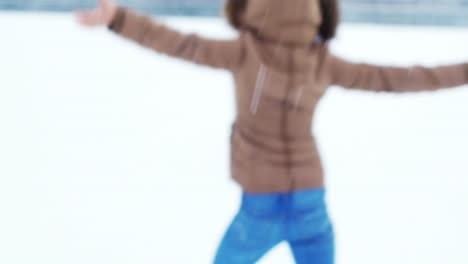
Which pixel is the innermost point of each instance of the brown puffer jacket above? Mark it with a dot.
(280, 74)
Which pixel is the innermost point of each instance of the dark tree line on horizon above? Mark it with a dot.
(432, 12)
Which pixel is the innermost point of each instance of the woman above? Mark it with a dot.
(281, 66)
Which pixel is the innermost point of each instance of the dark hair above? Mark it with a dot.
(330, 14)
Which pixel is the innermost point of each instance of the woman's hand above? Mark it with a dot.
(102, 15)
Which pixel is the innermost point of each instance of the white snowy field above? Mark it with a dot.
(102, 162)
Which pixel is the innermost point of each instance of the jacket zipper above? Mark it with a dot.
(285, 120)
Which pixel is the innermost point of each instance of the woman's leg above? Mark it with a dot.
(318, 249)
(254, 231)
(310, 231)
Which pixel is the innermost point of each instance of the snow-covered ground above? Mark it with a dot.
(114, 154)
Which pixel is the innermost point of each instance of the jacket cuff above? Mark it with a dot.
(466, 72)
(118, 20)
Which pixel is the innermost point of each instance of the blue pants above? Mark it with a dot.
(265, 220)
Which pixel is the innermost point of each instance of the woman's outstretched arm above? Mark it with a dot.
(394, 79)
(225, 54)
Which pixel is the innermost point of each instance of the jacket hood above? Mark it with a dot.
(291, 22)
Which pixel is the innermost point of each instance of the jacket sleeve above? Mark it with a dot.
(224, 54)
(395, 79)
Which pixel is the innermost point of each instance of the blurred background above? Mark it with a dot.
(110, 153)
(421, 12)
